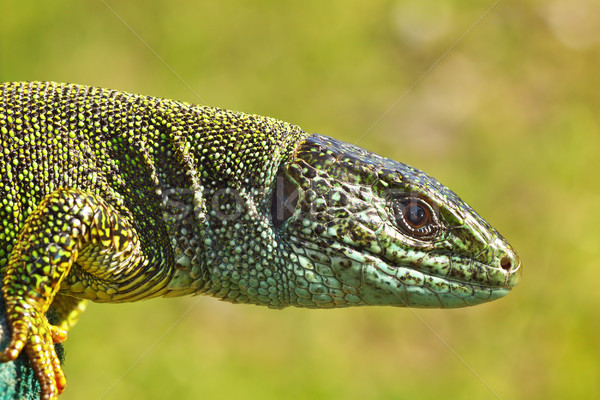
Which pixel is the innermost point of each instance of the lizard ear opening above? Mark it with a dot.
(284, 200)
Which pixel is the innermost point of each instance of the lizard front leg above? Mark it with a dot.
(65, 224)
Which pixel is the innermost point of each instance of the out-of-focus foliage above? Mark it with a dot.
(500, 104)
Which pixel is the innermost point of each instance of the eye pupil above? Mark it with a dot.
(415, 215)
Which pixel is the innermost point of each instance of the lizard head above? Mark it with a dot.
(364, 229)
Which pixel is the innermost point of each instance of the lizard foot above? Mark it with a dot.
(32, 333)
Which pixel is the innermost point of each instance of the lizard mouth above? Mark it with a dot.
(461, 285)
(434, 282)
(420, 287)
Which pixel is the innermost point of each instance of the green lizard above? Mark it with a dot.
(114, 197)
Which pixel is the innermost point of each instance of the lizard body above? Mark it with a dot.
(114, 197)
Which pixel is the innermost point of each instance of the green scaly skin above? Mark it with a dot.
(115, 197)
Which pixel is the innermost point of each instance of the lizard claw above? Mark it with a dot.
(58, 335)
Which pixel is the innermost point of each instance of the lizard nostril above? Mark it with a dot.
(506, 263)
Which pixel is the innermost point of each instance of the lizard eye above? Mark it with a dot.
(416, 217)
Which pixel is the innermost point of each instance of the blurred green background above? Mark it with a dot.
(504, 111)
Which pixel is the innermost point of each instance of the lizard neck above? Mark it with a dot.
(217, 208)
